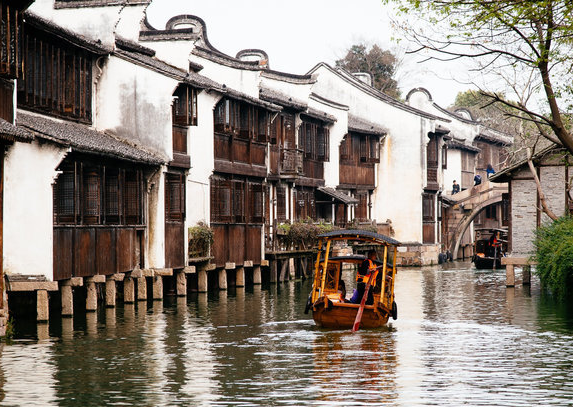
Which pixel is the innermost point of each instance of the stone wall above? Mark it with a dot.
(417, 255)
(523, 216)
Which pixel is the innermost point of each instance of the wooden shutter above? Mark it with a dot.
(363, 149)
(320, 144)
(281, 202)
(239, 201)
(131, 198)
(64, 196)
(91, 196)
(111, 196)
(175, 197)
(256, 206)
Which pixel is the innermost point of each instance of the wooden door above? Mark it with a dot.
(174, 220)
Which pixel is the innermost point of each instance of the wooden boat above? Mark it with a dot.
(487, 255)
(329, 310)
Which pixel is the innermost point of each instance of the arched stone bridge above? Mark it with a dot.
(465, 206)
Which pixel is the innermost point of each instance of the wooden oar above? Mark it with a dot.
(362, 304)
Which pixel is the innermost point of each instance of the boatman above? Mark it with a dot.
(366, 269)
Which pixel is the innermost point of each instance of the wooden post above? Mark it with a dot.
(510, 275)
(274, 271)
(67, 300)
(142, 289)
(157, 288)
(129, 290)
(526, 275)
(42, 306)
(240, 277)
(110, 293)
(292, 269)
(181, 288)
(284, 269)
(257, 275)
(222, 279)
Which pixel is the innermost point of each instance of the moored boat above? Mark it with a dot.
(330, 308)
(490, 245)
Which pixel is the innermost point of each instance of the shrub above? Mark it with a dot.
(554, 255)
(301, 234)
(200, 240)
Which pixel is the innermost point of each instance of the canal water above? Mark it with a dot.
(461, 338)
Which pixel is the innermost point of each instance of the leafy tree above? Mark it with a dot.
(380, 64)
(526, 44)
(554, 256)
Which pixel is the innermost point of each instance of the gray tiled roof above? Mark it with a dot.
(320, 115)
(85, 139)
(13, 133)
(279, 98)
(361, 125)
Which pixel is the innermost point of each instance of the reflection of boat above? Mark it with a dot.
(328, 309)
(487, 253)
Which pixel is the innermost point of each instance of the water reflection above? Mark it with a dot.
(461, 338)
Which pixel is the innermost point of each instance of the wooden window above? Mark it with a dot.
(220, 200)
(263, 128)
(239, 201)
(432, 152)
(112, 195)
(91, 196)
(362, 207)
(281, 203)
(374, 149)
(175, 197)
(363, 149)
(7, 100)
(428, 206)
(185, 106)
(256, 206)
(9, 38)
(87, 193)
(344, 148)
(57, 78)
(64, 196)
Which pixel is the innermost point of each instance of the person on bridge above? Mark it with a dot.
(477, 179)
(365, 270)
(455, 188)
(489, 170)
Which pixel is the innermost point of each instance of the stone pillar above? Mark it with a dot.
(91, 298)
(67, 297)
(181, 283)
(257, 275)
(141, 289)
(526, 275)
(110, 293)
(509, 275)
(42, 306)
(240, 277)
(128, 290)
(157, 288)
(202, 281)
(222, 279)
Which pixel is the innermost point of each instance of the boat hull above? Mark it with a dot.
(482, 263)
(334, 315)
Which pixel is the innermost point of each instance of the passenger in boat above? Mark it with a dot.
(367, 267)
(494, 241)
(342, 290)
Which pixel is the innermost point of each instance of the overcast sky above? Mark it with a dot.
(298, 34)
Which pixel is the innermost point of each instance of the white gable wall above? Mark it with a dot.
(29, 172)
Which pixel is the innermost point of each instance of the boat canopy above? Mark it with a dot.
(363, 235)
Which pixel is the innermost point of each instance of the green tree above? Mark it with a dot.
(526, 44)
(380, 64)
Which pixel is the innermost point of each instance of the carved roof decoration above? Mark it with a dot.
(59, 4)
(83, 138)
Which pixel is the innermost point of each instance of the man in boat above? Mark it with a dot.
(365, 270)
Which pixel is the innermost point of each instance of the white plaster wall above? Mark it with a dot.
(156, 219)
(129, 24)
(29, 172)
(454, 170)
(400, 172)
(174, 52)
(134, 103)
(201, 151)
(95, 23)
(298, 91)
